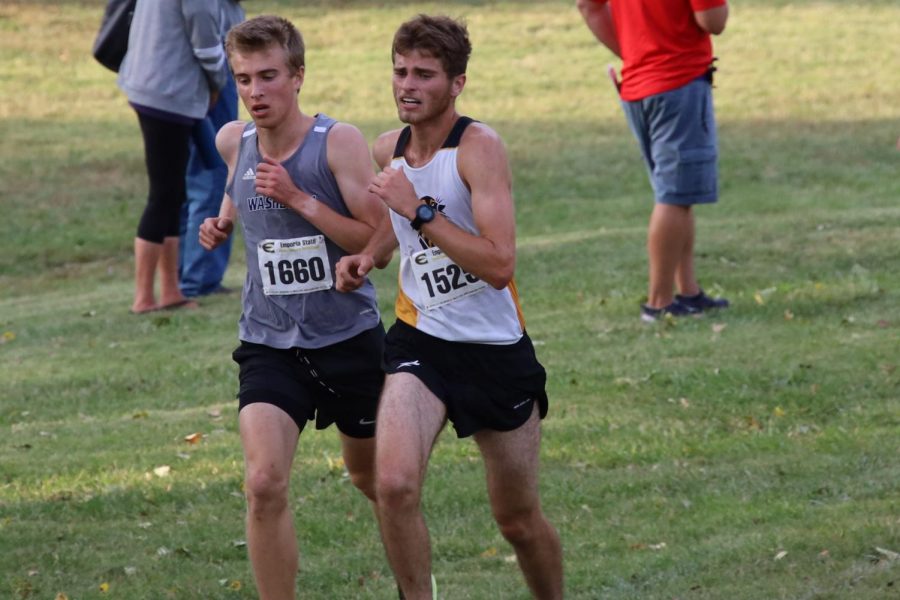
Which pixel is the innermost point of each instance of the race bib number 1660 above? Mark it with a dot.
(294, 266)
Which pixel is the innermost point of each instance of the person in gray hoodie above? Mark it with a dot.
(172, 74)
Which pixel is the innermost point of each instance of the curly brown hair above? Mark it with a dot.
(439, 37)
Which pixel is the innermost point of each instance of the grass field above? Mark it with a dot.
(752, 454)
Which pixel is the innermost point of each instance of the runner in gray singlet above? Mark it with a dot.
(298, 183)
(282, 319)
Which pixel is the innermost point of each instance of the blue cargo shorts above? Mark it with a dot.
(676, 131)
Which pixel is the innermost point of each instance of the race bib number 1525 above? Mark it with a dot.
(440, 280)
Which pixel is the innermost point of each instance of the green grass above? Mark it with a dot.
(750, 455)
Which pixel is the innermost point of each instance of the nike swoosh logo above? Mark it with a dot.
(412, 363)
(367, 421)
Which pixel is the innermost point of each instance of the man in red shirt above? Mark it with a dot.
(666, 93)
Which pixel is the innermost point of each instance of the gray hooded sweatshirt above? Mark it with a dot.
(175, 56)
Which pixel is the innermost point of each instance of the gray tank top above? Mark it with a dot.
(289, 298)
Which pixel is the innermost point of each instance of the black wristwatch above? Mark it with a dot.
(425, 213)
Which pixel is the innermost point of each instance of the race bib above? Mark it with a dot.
(295, 266)
(440, 280)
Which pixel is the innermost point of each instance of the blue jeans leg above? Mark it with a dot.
(200, 271)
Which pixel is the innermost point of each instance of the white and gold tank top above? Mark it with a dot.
(436, 296)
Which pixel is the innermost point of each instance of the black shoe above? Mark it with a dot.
(675, 309)
(701, 302)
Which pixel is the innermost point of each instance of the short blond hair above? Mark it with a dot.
(263, 32)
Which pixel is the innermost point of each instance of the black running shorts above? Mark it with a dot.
(336, 384)
(483, 386)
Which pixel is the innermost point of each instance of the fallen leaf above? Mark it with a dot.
(490, 552)
(193, 438)
(718, 327)
(685, 403)
(215, 413)
(510, 559)
(33, 572)
(779, 412)
(658, 546)
(162, 471)
(788, 315)
(61, 596)
(130, 571)
(762, 295)
(888, 554)
(104, 587)
(234, 584)
(140, 415)
(7, 336)
(335, 464)
(781, 555)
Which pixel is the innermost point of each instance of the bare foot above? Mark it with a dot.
(142, 309)
(183, 303)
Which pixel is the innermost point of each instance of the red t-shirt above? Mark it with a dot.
(662, 46)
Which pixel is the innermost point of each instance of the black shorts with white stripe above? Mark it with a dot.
(483, 386)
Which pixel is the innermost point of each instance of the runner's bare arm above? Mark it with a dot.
(215, 230)
(484, 167)
(351, 270)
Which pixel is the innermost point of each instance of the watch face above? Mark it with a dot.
(425, 213)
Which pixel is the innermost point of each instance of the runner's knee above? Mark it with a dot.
(267, 492)
(396, 491)
(519, 526)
